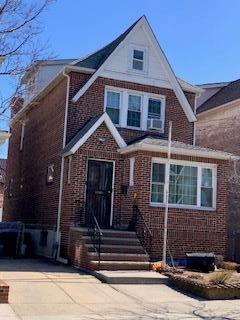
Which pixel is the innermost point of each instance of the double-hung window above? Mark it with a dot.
(113, 105)
(134, 111)
(138, 60)
(189, 185)
(155, 119)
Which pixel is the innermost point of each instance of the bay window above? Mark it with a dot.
(189, 185)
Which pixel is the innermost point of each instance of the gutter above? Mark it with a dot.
(51, 84)
(179, 151)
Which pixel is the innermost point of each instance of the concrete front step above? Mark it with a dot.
(120, 256)
(131, 277)
(120, 265)
(106, 248)
(110, 233)
(114, 240)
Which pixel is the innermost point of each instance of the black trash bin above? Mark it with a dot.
(202, 261)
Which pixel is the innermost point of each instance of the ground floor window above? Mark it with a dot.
(190, 184)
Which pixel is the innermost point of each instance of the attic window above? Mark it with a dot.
(138, 60)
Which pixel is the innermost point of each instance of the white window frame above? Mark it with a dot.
(123, 111)
(145, 58)
(116, 90)
(200, 166)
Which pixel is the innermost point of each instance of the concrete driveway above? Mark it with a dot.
(42, 290)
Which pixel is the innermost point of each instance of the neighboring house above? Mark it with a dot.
(90, 148)
(218, 127)
(2, 183)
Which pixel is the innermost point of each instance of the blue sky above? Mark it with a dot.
(201, 38)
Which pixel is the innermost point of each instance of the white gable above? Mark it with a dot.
(119, 65)
(110, 68)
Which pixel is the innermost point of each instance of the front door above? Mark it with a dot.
(99, 192)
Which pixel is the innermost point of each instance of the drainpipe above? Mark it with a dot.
(58, 234)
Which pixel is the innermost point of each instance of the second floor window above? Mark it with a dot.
(113, 106)
(134, 111)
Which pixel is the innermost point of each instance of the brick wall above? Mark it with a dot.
(92, 104)
(220, 130)
(33, 200)
(189, 229)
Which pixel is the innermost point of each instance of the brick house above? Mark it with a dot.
(89, 148)
(218, 127)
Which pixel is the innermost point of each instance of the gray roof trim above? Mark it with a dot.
(88, 125)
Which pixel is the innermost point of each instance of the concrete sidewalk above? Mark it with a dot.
(42, 290)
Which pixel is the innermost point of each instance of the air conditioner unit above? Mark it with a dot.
(154, 124)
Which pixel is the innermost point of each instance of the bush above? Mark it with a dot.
(195, 277)
(229, 265)
(220, 277)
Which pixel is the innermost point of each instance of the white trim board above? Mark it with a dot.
(211, 154)
(103, 119)
(163, 60)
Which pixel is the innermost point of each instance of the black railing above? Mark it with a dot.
(142, 229)
(96, 235)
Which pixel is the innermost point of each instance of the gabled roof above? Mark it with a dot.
(100, 58)
(225, 95)
(161, 145)
(88, 129)
(95, 60)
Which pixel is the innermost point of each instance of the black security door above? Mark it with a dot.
(99, 192)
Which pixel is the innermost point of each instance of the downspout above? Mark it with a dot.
(58, 234)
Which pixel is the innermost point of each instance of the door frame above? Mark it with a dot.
(113, 182)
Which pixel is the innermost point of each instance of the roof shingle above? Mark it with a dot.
(227, 94)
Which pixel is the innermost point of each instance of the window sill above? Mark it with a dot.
(159, 205)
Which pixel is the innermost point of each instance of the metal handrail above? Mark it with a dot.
(146, 236)
(97, 232)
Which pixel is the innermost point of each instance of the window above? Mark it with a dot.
(138, 60)
(158, 180)
(134, 111)
(189, 185)
(155, 115)
(183, 185)
(50, 173)
(206, 188)
(113, 106)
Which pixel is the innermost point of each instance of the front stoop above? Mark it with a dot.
(131, 277)
(120, 250)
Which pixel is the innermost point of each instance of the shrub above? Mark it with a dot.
(220, 277)
(229, 265)
(195, 276)
(158, 266)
